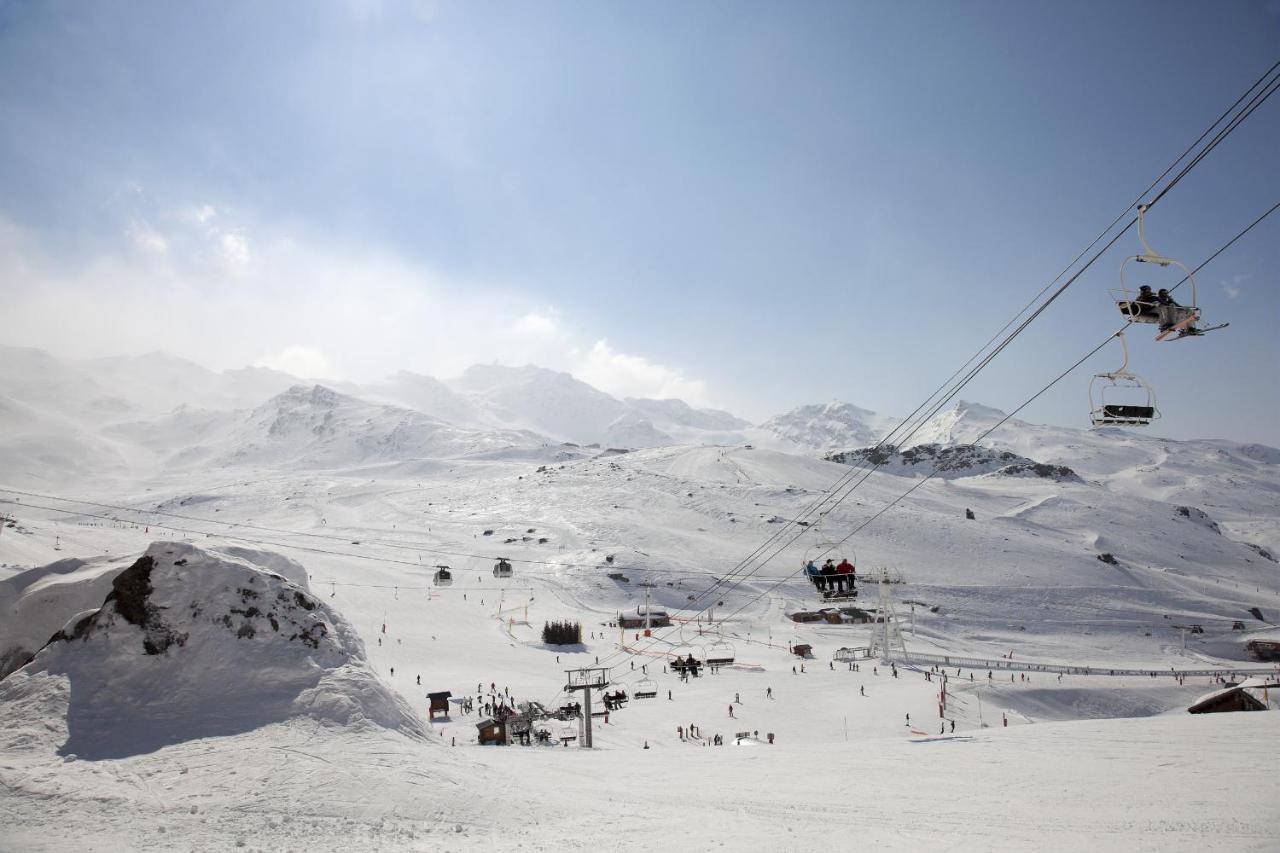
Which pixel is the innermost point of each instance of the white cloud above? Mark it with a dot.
(235, 251)
(304, 361)
(535, 324)
(1232, 288)
(626, 375)
(147, 238)
(320, 311)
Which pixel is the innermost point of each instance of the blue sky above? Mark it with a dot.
(752, 205)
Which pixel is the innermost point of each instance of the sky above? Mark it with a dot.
(747, 205)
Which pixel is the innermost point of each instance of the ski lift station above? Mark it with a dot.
(645, 618)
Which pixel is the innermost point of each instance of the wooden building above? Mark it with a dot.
(439, 704)
(1253, 694)
(492, 731)
(657, 619)
(1263, 649)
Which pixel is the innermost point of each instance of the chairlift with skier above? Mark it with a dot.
(1143, 306)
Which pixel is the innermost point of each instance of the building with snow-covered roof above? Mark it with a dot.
(1252, 694)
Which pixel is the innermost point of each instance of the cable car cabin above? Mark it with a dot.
(502, 569)
(442, 577)
(720, 654)
(647, 689)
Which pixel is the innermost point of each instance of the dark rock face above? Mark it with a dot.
(960, 459)
(130, 592)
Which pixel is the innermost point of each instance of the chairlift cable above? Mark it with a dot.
(1022, 406)
(1268, 88)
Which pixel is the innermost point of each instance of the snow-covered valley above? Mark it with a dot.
(1148, 555)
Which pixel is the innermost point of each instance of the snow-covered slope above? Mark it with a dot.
(830, 426)
(37, 602)
(193, 643)
(319, 427)
(541, 400)
(432, 397)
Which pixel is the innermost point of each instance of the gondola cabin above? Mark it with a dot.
(443, 576)
(502, 569)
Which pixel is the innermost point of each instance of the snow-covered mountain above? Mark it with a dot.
(541, 400)
(432, 397)
(316, 426)
(830, 426)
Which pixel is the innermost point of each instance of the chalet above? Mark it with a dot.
(492, 731)
(657, 619)
(1253, 694)
(802, 650)
(1264, 648)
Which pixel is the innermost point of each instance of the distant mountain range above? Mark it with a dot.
(120, 417)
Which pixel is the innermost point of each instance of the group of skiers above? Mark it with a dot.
(1162, 305)
(832, 577)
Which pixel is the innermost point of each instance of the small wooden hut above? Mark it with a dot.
(492, 731)
(439, 704)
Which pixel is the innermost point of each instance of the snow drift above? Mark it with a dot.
(193, 643)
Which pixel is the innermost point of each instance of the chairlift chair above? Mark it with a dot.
(502, 569)
(832, 587)
(719, 654)
(1121, 398)
(1181, 319)
(646, 689)
(443, 576)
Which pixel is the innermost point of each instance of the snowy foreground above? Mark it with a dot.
(1178, 783)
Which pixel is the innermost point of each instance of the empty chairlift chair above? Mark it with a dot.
(720, 654)
(647, 689)
(502, 569)
(1121, 398)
